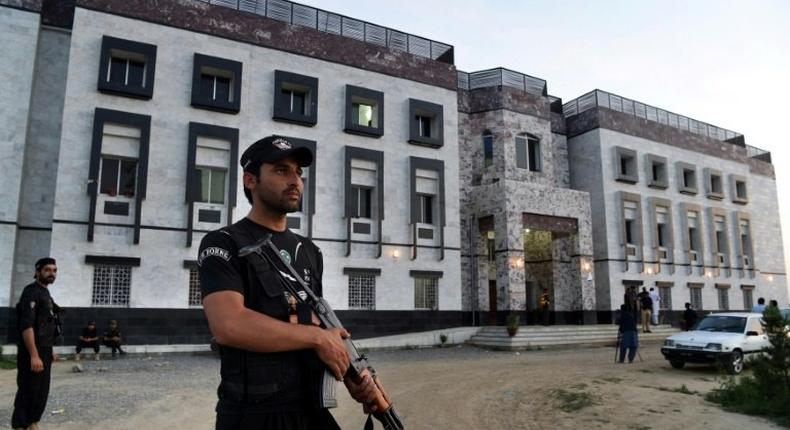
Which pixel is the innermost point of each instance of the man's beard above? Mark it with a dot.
(47, 280)
(278, 202)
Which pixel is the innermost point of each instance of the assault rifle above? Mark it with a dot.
(385, 413)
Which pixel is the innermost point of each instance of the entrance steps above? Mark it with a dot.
(533, 337)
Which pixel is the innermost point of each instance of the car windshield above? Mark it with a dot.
(722, 323)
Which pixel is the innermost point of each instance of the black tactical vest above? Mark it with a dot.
(271, 381)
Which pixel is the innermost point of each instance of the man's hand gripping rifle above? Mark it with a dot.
(385, 412)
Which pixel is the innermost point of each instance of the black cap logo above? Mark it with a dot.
(282, 144)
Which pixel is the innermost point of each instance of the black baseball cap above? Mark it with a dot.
(272, 149)
(43, 262)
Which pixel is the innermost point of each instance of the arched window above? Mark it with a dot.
(488, 148)
(528, 152)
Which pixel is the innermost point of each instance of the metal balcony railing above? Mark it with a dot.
(503, 77)
(341, 25)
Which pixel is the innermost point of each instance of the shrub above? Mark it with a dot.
(767, 391)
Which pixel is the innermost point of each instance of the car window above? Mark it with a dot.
(755, 325)
(728, 324)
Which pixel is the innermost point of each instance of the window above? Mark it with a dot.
(724, 301)
(713, 184)
(738, 189)
(695, 297)
(362, 197)
(625, 165)
(212, 185)
(528, 153)
(746, 243)
(427, 123)
(720, 235)
(295, 98)
(665, 297)
(111, 284)
(657, 171)
(425, 293)
(631, 220)
(491, 246)
(118, 177)
(216, 84)
(361, 291)
(488, 149)
(426, 208)
(663, 234)
(127, 68)
(693, 235)
(195, 298)
(687, 178)
(756, 326)
(748, 298)
(364, 111)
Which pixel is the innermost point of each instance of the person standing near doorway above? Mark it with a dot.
(646, 304)
(656, 304)
(545, 304)
(38, 324)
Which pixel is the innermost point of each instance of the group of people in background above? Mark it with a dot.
(90, 339)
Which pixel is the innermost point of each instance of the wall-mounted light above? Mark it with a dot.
(586, 266)
(526, 230)
(709, 274)
(396, 253)
(770, 278)
(649, 270)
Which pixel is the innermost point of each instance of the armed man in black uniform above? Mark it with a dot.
(37, 320)
(270, 348)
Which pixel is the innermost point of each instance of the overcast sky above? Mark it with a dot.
(726, 63)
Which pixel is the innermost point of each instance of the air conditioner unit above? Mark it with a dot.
(662, 254)
(630, 250)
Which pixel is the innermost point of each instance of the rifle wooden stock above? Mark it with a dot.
(359, 365)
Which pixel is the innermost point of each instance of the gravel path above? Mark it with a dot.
(457, 387)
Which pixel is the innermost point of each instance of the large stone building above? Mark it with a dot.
(439, 198)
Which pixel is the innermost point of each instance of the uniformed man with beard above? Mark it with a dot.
(37, 320)
(269, 348)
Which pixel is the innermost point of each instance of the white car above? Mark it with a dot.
(721, 337)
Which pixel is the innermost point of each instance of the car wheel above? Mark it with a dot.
(735, 365)
(677, 364)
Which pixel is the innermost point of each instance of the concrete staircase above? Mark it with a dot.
(529, 337)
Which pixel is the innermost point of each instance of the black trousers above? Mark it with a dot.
(318, 420)
(114, 345)
(32, 388)
(92, 344)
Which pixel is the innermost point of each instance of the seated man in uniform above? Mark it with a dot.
(112, 338)
(88, 339)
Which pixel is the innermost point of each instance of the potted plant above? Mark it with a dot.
(512, 324)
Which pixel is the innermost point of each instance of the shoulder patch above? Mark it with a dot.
(213, 251)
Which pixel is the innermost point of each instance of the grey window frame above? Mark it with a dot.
(736, 196)
(710, 192)
(421, 108)
(681, 168)
(219, 68)
(295, 82)
(356, 95)
(651, 162)
(621, 155)
(113, 47)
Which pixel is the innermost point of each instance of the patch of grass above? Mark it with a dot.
(653, 411)
(570, 401)
(612, 379)
(7, 362)
(747, 396)
(683, 389)
(676, 410)
(704, 379)
(645, 370)
(579, 386)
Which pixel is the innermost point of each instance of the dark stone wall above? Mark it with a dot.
(635, 126)
(502, 97)
(31, 5)
(246, 27)
(189, 326)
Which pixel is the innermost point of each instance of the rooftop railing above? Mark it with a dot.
(503, 77)
(341, 25)
(617, 103)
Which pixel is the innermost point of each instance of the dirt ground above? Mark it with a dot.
(457, 387)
